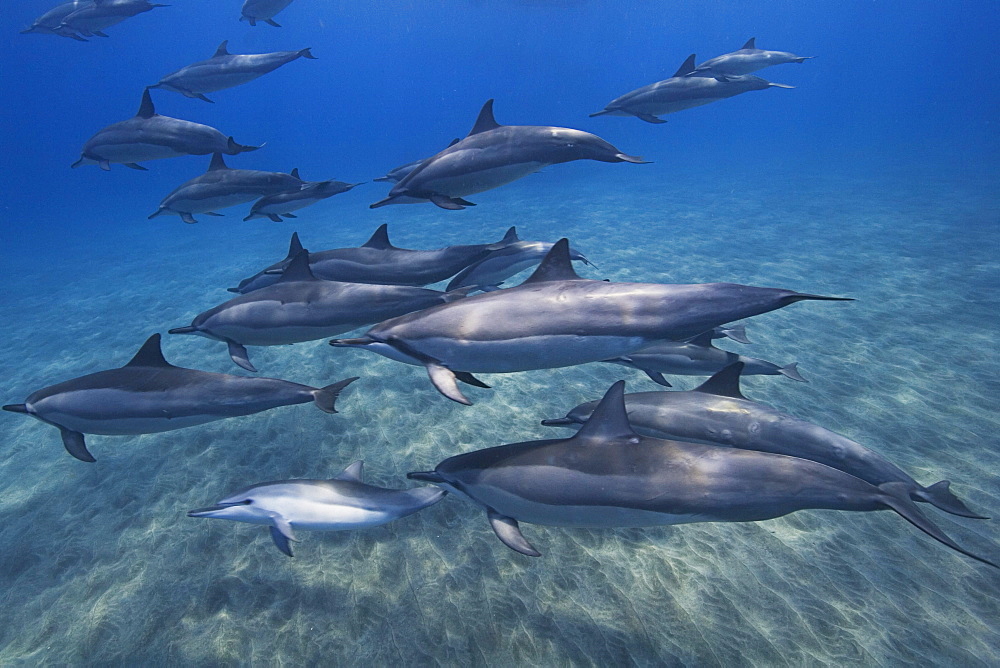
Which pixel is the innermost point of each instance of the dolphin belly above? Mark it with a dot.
(207, 82)
(126, 151)
(210, 203)
(264, 335)
(470, 183)
(526, 353)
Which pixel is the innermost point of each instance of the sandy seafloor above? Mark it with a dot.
(99, 564)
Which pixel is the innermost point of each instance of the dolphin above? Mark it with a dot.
(748, 59)
(149, 395)
(221, 186)
(681, 92)
(301, 307)
(609, 476)
(737, 333)
(397, 174)
(697, 357)
(493, 155)
(555, 319)
(378, 261)
(717, 413)
(93, 18)
(225, 70)
(51, 22)
(490, 272)
(343, 503)
(282, 204)
(149, 136)
(263, 10)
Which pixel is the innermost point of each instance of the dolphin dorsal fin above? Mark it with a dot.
(686, 67)
(511, 236)
(380, 239)
(295, 173)
(223, 49)
(704, 339)
(609, 421)
(150, 354)
(454, 141)
(485, 120)
(353, 473)
(751, 44)
(725, 383)
(298, 269)
(294, 246)
(217, 163)
(555, 266)
(146, 109)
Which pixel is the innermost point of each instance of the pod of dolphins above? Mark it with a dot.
(646, 459)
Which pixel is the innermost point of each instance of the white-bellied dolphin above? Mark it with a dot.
(717, 413)
(490, 272)
(493, 155)
(149, 395)
(556, 319)
(343, 503)
(378, 261)
(275, 206)
(222, 186)
(225, 70)
(301, 307)
(397, 174)
(748, 59)
(607, 475)
(263, 10)
(51, 22)
(681, 92)
(93, 18)
(150, 136)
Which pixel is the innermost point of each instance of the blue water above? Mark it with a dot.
(876, 178)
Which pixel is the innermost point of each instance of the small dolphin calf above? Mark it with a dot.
(221, 186)
(555, 319)
(717, 413)
(345, 502)
(378, 261)
(748, 59)
(225, 70)
(301, 307)
(682, 92)
(93, 18)
(51, 22)
(263, 10)
(493, 155)
(282, 204)
(607, 475)
(490, 272)
(149, 395)
(149, 136)
(397, 174)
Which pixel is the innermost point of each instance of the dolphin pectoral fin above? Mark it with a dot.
(201, 96)
(281, 541)
(469, 379)
(215, 213)
(463, 202)
(136, 166)
(444, 380)
(272, 22)
(939, 496)
(445, 202)
(325, 398)
(792, 371)
(99, 33)
(509, 533)
(186, 217)
(657, 378)
(105, 165)
(737, 334)
(75, 445)
(274, 217)
(289, 215)
(238, 353)
(649, 118)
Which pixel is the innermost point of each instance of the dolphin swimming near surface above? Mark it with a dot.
(93, 18)
(748, 59)
(225, 70)
(263, 10)
(717, 413)
(282, 204)
(150, 136)
(609, 476)
(493, 155)
(301, 307)
(149, 395)
(51, 22)
(378, 261)
(556, 319)
(490, 272)
(222, 186)
(343, 503)
(681, 92)
(397, 174)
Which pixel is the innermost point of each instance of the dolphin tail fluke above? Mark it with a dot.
(304, 53)
(469, 379)
(792, 371)
(940, 496)
(238, 353)
(326, 397)
(446, 382)
(233, 148)
(76, 446)
(422, 497)
(509, 533)
(896, 495)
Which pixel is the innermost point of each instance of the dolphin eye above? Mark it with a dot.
(247, 502)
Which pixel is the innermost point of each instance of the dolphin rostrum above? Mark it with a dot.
(222, 186)
(493, 155)
(607, 475)
(343, 503)
(149, 395)
(681, 92)
(555, 319)
(282, 204)
(748, 59)
(225, 70)
(301, 307)
(717, 413)
(93, 18)
(150, 136)
(51, 22)
(490, 272)
(263, 10)
(378, 261)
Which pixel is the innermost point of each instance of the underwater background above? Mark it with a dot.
(877, 177)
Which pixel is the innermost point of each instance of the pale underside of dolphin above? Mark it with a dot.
(281, 205)
(609, 476)
(263, 10)
(149, 395)
(93, 18)
(340, 504)
(556, 319)
(493, 155)
(746, 60)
